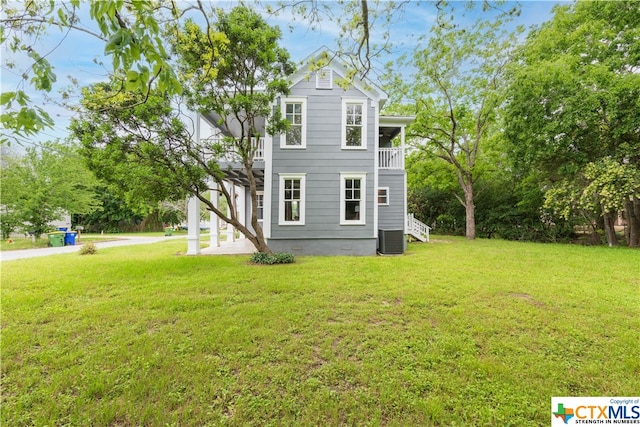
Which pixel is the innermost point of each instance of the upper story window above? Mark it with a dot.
(295, 112)
(354, 124)
(352, 198)
(324, 79)
(292, 199)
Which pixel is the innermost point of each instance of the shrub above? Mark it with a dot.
(88, 249)
(277, 258)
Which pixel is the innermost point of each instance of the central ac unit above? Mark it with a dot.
(391, 241)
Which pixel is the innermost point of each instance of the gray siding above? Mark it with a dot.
(392, 217)
(323, 160)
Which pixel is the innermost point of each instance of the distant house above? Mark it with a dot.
(335, 183)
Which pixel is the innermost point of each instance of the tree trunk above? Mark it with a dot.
(609, 230)
(470, 211)
(632, 211)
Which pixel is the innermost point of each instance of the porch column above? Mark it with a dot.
(241, 207)
(193, 233)
(231, 237)
(214, 237)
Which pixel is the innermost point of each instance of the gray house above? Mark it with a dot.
(334, 184)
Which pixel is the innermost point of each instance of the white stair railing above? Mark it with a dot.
(417, 229)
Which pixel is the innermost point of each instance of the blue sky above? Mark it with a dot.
(79, 55)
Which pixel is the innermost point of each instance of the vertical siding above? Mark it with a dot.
(323, 160)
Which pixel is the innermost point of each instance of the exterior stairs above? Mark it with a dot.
(417, 229)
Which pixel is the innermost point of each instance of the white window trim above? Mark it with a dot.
(261, 193)
(362, 176)
(378, 195)
(364, 103)
(302, 178)
(283, 108)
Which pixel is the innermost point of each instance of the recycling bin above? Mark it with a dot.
(56, 239)
(70, 238)
(168, 231)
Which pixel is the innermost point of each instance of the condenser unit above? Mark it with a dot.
(391, 241)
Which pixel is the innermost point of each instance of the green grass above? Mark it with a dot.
(459, 333)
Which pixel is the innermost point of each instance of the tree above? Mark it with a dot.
(130, 31)
(237, 79)
(43, 184)
(572, 112)
(457, 86)
(234, 70)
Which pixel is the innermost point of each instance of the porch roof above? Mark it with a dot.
(390, 126)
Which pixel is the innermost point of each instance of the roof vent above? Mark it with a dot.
(324, 79)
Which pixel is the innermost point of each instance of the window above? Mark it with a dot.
(383, 196)
(292, 192)
(354, 124)
(324, 79)
(295, 112)
(260, 205)
(352, 198)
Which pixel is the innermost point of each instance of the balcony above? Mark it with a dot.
(231, 156)
(391, 158)
(231, 162)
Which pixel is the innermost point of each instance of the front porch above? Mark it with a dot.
(238, 247)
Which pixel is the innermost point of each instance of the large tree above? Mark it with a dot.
(234, 69)
(457, 87)
(41, 185)
(573, 112)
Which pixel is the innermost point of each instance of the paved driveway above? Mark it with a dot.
(242, 246)
(124, 241)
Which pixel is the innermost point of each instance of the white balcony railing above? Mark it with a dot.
(232, 156)
(391, 158)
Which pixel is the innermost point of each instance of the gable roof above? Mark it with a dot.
(327, 59)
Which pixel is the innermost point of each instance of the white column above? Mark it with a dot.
(241, 207)
(231, 237)
(193, 233)
(214, 237)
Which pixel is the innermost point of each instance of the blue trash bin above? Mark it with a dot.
(70, 238)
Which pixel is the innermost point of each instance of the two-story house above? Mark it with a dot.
(334, 183)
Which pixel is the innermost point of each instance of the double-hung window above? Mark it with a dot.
(352, 198)
(354, 123)
(292, 198)
(260, 206)
(295, 112)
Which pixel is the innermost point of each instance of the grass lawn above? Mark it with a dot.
(452, 333)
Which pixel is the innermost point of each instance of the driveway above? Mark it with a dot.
(123, 241)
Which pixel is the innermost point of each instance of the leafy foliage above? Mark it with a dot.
(457, 91)
(131, 32)
(275, 258)
(44, 183)
(572, 110)
(143, 145)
